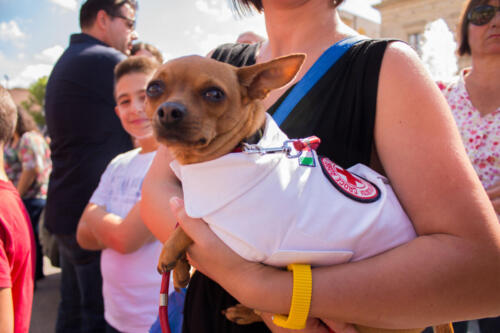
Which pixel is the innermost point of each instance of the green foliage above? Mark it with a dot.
(37, 98)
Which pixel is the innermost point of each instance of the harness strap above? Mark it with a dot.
(320, 67)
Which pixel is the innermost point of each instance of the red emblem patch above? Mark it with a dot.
(351, 185)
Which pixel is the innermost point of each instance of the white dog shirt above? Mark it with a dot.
(270, 209)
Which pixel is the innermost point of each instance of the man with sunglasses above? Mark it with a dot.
(85, 135)
(475, 103)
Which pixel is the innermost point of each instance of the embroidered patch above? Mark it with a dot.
(351, 185)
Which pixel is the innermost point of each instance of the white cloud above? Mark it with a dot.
(205, 41)
(29, 75)
(50, 54)
(10, 31)
(67, 4)
(217, 9)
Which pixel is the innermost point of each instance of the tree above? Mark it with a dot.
(37, 98)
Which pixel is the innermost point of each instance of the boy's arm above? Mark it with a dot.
(86, 238)
(122, 235)
(6, 311)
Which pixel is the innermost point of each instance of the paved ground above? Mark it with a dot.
(46, 300)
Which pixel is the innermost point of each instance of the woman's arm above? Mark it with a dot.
(159, 185)
(26, 178)
(450, 272)
(111, 231)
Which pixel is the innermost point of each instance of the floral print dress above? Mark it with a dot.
(480, 134)
(31, 152)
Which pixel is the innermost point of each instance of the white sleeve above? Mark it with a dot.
(102, 193)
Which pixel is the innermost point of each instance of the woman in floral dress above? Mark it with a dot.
(474, 99)
(28, 166)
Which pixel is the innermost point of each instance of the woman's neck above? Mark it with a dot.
(485, 72)
(483, 83)
(14, 140)
(309, 27)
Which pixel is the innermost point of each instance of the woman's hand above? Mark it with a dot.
(215, 259)
(313, 325)
(494, 195)
(209, 254)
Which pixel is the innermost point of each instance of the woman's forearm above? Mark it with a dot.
(430, 280)
(159, 185)
(390, 296)
(27, 177)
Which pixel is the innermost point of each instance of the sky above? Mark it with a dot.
(34, 33)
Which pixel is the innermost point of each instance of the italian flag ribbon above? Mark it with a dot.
(306, 146)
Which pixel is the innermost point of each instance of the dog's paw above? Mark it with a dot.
(182, 273)
(164, 267)
(241, 315)
(168, 260)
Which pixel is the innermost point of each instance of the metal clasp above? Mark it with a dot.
(286, 148)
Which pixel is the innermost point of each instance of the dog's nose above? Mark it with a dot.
(171, 112)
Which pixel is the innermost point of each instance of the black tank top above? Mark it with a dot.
(340, 110)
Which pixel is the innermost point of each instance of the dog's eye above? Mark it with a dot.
(155, 89)
(213, 94)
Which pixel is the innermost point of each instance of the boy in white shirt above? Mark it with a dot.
(111, 220)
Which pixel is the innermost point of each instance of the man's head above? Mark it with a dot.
(148, 50)
(111, 21)
(8, 116)
(131, 78)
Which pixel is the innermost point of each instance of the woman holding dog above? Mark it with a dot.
(379, 108)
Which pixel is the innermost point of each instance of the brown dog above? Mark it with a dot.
(202, 109)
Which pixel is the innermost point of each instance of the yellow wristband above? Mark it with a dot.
(301, 298)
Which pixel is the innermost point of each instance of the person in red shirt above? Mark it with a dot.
(17, 256)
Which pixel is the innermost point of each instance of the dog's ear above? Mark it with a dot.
(260, 79)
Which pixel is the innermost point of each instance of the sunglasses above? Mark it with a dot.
(128, 21)
(483, 14)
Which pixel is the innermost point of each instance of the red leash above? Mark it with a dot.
(163, 310)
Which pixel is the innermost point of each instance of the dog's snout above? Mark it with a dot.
(171, 112)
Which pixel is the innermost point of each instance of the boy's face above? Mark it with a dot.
(130, 92)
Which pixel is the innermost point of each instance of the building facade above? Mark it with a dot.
(407, 19)
(360, 16)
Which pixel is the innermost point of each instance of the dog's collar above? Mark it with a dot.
(251, 140)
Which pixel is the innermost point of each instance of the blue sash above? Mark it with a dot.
(320, 67)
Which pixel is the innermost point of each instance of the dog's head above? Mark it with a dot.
(202, 108)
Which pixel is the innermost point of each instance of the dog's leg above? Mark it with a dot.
(173, 250)
(445, 328)
(181, 273)
(241, 315)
